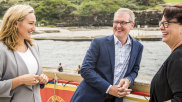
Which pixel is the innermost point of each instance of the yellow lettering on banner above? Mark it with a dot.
(57, 99)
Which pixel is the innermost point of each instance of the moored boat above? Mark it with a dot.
(62, 85)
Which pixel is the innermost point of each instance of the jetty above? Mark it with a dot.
(87, 34)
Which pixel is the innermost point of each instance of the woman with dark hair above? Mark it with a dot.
(166, 85)
(20, 71)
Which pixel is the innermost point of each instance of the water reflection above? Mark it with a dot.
(71, 54)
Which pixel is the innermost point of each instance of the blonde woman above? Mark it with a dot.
(20, 72)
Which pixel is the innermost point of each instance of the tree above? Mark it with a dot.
(149, 2)
(52, 10)
(92, 7)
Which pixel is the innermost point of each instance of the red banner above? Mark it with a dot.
(57, 93)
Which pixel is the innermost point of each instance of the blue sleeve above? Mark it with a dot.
(88, 68)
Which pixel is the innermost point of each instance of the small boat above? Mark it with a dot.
(62, 85)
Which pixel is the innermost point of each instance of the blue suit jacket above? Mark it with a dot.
(98, 69)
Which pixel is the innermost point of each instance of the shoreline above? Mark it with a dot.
(89, 33)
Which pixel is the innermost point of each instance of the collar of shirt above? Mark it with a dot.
(116, 41)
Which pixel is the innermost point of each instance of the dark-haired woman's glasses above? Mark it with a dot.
(166, 23)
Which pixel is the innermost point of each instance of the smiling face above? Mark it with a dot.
(172, 34)
(26, 27)
(119, 30)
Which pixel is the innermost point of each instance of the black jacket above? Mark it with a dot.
(167, 83)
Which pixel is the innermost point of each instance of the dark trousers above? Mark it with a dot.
(110, 98)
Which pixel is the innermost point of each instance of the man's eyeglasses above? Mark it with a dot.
(166, 23)
(121, 23)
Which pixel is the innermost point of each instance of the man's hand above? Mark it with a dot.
(124, 83)
(116, 91)
(119, 90)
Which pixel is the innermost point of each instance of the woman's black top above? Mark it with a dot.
(167, 82)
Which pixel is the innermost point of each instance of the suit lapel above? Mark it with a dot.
(21, 67)
(133, 54)
(111, 50)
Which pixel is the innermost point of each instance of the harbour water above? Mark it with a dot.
(71, 54)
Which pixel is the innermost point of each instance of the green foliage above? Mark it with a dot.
(172, 1)
(91, 7)
(157, 7)
(52, 10)
(129, 4)
(148, 4)
(76, 2)
(3, 7)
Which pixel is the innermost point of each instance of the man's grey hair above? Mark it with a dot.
(130, 12)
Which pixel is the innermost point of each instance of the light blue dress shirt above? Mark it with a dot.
(122, 56)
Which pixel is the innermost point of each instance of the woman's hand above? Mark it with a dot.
(43, 79)
(27, 79)
(30, 79)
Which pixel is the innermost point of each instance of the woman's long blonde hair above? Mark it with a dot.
(9, 33)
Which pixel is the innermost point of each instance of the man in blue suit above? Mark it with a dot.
(111, 63)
